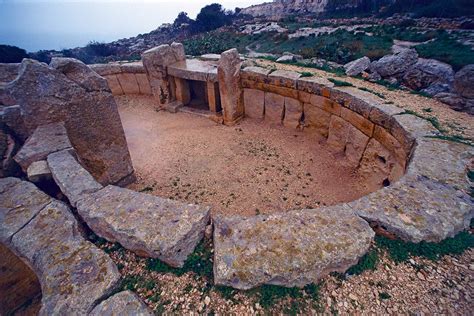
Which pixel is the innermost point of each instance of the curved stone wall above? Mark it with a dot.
(124, 78)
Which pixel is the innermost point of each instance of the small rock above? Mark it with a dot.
(207, 300)
(421, 276)
(39, 171)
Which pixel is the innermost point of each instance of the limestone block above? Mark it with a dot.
(274, 107)
(313, 85)
(146, 224)
(114, 85)
(45, 140)
(254, 101)
(183, 93)
(73, 180)
(293, 113)
(106, 69)
(304, 97)
(143, 83)
(284, 78)
(80, 73)
(39, 171)
(129, 83)
(135, 67)
(288, 249)
(229, 85)
(326, 104)
(213, 97)
(317, 119)
(257, 74)
(391, 143)
(178, 50)
(124, 303)
(358, 121)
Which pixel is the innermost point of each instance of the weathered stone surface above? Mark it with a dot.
(464, 82)
(391, 143)
(391, 65)
(73, 180)
(39, 171)
(178, 50)
(229, 86)
(129, 83)
(135, 67)
(45, 140)
(429, 75)
(274, 107)
(73, 273)
(288, 249)
(213, 97)
(326, 104)
(91, 117)
(124, 303)
(11, 116)
(284, 78)
(146, 224)
(183, 93)
(20, 201)
(257, 74)
(317, 119)
(106, 69)
(254, 102)
(8, 71)
(293, 113)
(143, 83)
(8, 148)
(358, 121)
(314, 85)
(114, 85)
(80, 73)
(345, 139)
(357, 66)
(194, 69)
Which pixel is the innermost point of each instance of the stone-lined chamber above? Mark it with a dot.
(425, 197)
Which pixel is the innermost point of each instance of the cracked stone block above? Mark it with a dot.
(73, 180)
(123, 303)
(45, 140)
(274, 107)
(39, 171)
(288, 249)
(145, 224)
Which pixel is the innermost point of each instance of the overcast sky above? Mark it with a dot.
(58, 24)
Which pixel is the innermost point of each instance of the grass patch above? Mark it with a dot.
(306, 74)
(401, 251)
(367, 263)
(433, 120)
(340, 83)
(453, 138)
(421, 93)
(380, 95)
(384, 296)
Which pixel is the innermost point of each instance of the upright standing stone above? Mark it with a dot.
(156, 61)
(229, 85)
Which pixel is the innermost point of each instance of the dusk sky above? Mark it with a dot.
(56, 24)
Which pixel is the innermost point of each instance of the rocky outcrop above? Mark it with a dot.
(73, 273)
(76, 95)
(396, 64)
(464, 82)
(356, 67)
(229, 86)
(430, 76)
(148, 225)
(123, 303)
(46, 139)
(291, 249)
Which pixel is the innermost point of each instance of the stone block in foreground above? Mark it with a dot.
(287, 249)
(46, 139)
(73, 180)
(145, 224)
(123, 303)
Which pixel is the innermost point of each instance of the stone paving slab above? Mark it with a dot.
(194, 69)
(288, 249)
(146, 224)
(46, 139)
(124, 303)
(73, 180)
(20, 202)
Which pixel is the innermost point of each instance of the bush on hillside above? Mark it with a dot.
(12, 54)
(211, 17)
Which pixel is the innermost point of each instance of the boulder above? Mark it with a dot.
(464, 82)
(123, 303)
(8, 149)
(9, 71)
(39, 171)
(45, 140)
(287, 249)
(12, 118)
(231, 93)
(456, 102)
(73, 180)
(429, 75)
(148, 225)
(396, 64)
(91, 116)
(286, 59)
(356, 67)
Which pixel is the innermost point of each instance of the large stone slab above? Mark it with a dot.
(73, 180)
(254, 101)
(129, 83)
(124, 303)
(317, 119)
(288, 249)
(293, 113)
(73, 273)
(20, 201)
(274, 107)
(45, 140)
(148, 225)
(229, 86)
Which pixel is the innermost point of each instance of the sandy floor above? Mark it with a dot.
(248, 169)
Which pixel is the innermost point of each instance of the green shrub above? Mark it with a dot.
(12, 54)
(368, 262)
(340, 83)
